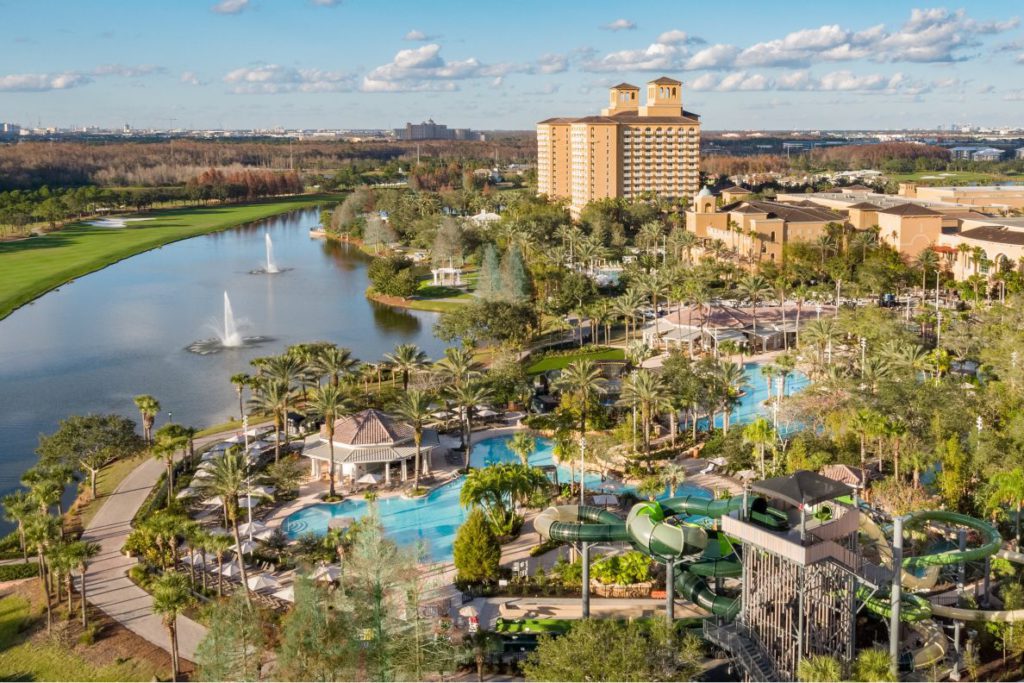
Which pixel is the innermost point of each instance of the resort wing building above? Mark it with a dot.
(629, 150)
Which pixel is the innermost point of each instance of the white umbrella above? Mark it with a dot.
(231, 570)
(326, 572)
(747, 475)
(263, 582)
(468, 611)
(196, 562)
(255, 527)
(368, 478)
(262, 490)
(216, 500)
(287, 594)
(187, 492)
(244, 502)
(248, 546)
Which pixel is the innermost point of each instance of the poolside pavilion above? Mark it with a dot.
(369, 442)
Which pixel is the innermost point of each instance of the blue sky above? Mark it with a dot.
(379, 63)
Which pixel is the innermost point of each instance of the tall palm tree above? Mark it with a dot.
(240, 380)
(287, 370)
(457, 368)
(18, 507)
(734, 379)
(271, 395)
(896, 430)
(760, 434)
(862, 422)
(42, 531)
(523, 445)
(648, 393)
(330, 403)
(229, 479)
(335, 362)
(467, 397)
(171, 597)
(583, 380)
(149, 408)
(407, 359)
(674, 475)
(169, 439)
(414, 406)
(928, 262)
(219, 545)
(754, 289)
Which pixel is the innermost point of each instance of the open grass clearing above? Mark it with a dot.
(562, 360)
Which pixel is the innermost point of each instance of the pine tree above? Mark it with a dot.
(234, 643)
(515, 282)
(489, 284)
(318, 641)
(477, 552)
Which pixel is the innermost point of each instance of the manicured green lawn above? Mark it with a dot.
(954, 177)
(559, 362)
(39, 661)
(34, 266)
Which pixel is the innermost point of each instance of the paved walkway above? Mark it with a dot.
(108, 586)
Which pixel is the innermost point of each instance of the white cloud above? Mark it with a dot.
(1020, 58)
(620, 25)
(552, 64)
(326, 3)
(676, 36)
(713, 57)
(803, 80)
(127, 71)
(43, 82)
(415, 36)
(230, 6)
(272, 79)
(191, 78)
(655, 57)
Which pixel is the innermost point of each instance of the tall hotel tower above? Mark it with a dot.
(626, 151)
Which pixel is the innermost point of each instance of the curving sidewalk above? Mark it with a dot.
(108, 586)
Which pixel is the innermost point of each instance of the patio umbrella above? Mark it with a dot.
(244, 502)
(216, 500)
(231, 570)
(196, 562)
(326, 572)
(255, 527)
(263, 582)
(468, 611)
(747, 475)
(262, 490)
(368, 478)
(248, 546)
(187, 492)
(287, 594)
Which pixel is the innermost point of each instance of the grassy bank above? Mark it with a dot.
(34, 266)
(558, 362)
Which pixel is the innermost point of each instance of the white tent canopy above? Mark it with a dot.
(326, 572)
(368, 478)
(263, 582)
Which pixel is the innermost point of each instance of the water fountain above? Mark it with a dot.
(228, 336)
(271, 266)
(231, 337)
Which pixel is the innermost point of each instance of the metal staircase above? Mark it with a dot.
(744, 650)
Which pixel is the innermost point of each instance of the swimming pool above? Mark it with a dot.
(751, 404)
(433, 519)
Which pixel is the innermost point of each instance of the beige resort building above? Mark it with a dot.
(369, 442)
(628, 150)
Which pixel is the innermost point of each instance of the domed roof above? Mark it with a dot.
(704, 192)
(369, 428)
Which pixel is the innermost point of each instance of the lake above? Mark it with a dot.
(95, 343)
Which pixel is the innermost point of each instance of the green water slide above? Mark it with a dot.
(991, 540)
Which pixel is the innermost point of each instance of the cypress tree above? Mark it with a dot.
(489, 284)
(515, 281)
(476, 550)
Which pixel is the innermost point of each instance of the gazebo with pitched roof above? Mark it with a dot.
(369, 441)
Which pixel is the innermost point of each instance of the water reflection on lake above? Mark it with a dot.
(122, 331)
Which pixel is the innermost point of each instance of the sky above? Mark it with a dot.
(379, 63)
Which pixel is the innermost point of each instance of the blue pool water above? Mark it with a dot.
(433, 519)
(751, 404)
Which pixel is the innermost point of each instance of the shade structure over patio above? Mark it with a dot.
(254, 528)
(326, 573)
(287, 594)
(231, 570)
(368, 478)
(263, 582)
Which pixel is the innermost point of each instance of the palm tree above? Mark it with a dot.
(219, 545)
(648, 393)
(467, 397)
(407, 359)
(760, 434)
(149, 408)
(79, 554)
(819, 668)
(171, 597)
(240, 380)
(523, 445)
(584, 381)
(928, 262)
(18, 507)
(1008, 488)
(169, 439)
(330, 403)
(229, 479)
(457, 367)
(271, 396)
(335, 362)
(286, 370)
(863, 423)
(734, 379)
(896, 430)
(414, 406)
(42, 532)
(674, 475)
(755, 289)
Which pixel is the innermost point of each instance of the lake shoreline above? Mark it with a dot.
(51, 281)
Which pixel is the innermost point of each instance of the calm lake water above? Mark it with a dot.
(97, 342)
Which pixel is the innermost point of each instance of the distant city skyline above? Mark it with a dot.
(335, 64)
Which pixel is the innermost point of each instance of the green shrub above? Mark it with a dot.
(476, 551)
(14, 572)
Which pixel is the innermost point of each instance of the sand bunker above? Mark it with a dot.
(115, 222)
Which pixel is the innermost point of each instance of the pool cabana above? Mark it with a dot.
(369, 442)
